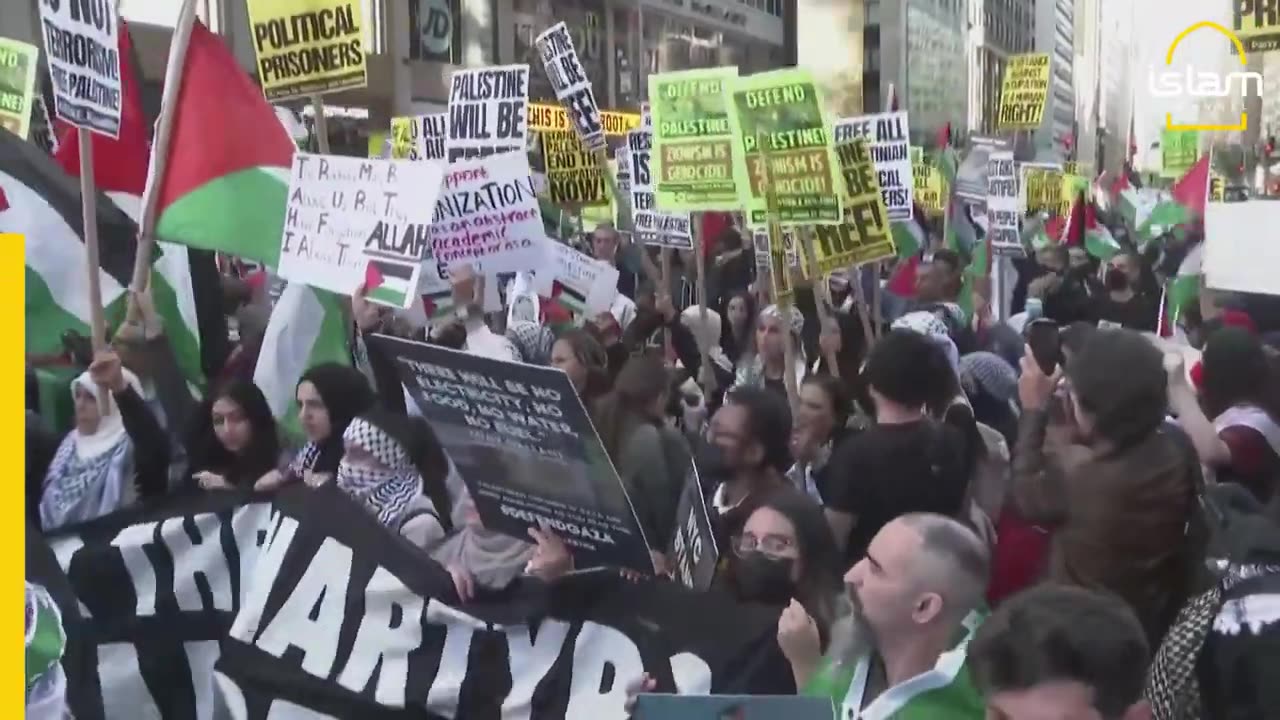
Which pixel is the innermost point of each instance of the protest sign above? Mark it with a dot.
(487, 111)
(574, 178)
(694, 145)
(1004, 219)
(308, 47)
(82, 47)
(760, 244)
(655, 227)
(783, 261)
(693, 551)
(1072, 186)
(525, 447)
(488, 213)
(18, 62)
(1179, 150)
(569, 79)
(779, 117)
(1025, 91)
(553, 118)
(970, 181)
(864, 236)
(888, 138)
(930, 187)
(419, 137)
(1040, 188)
(1217, 187)
(350, 221)
(579, 282)
(301, 605)
(1257, 25)
(917, 155)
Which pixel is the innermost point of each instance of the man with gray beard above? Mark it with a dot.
(899, 652)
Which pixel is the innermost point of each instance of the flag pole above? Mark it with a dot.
(89, 210)
(321, 124)
(160, 147)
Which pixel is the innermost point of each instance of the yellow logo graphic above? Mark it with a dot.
(1191, 83)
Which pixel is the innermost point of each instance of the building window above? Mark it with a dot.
(435, 31)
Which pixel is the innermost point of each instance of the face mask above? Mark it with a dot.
(361, 480)
(1116, 279)
(763, 579)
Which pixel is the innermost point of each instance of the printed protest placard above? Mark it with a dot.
(487, 111)
(525, 447)
(693, 141)
(1040, 188)
(655, 227)
(1179, 150)
(579, 282)
(1072, 186)
(888, 138)
(693, 551)
(574, 178)
(779, 117)
(760, 244)
(18, 62)
(1004, 218)
(930, 187)
(82, 47)
(569, 79)
(553, 118)
(488, 213)
(864, 236)
(354, 220)
(419, 137)
(307, 47)
(1025, 91)
(917, 155)
(970, 182)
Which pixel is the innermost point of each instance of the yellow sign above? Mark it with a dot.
(574, 178)
(1257, 24)
(1071, 187)
(930, 187)
(18, 62)
(1041, 189)
(553, 118)
(1025, 91)
(864, 235)
(1217, 188)
(307, 47)
(1195, 85)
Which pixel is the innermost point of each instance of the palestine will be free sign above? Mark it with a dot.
(569, 78)
(574, 177)
(81, 39)
(307, 47)
(888, 139)
(779, 116)
(487, 111)
(1025, 91)
(864, 237)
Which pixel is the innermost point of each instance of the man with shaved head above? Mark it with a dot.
(900, 653)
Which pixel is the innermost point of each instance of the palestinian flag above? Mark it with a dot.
(1182, 290)
(1098, 240)
(1073, 231)
(227, 179)
(437, 304)
(389, 282)
(308, 327)
(1037, 231)
(120, 170)
(41, 202)
(909, 236)
(572, 300)
(1182, 206)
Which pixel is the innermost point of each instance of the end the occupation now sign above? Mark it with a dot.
(81, 39)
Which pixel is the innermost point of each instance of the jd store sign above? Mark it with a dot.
(434, 32)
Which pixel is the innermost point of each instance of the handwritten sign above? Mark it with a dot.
(350, 221)
(888, 136)
(569, 79)
(81, 43)
(579, 282)
(487, 111)
(488, 213)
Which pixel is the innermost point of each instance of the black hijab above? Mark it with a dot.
(346, 394)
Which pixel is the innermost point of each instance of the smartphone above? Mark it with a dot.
(1046, 344)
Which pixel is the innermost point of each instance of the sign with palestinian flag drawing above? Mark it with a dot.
(579, 282)
(352, 221)
(307, 47)
(17, 85)
(82, 46)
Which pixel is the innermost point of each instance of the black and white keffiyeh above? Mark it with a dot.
(388, 489)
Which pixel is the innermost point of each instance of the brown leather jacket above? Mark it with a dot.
(1119, 520)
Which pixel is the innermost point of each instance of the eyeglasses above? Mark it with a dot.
(775, 545)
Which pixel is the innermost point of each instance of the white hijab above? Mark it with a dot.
(110, 425)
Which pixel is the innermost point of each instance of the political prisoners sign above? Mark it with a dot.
(569, 79)
(1004, 219)
(81, 42)
(301, 606)
(307, 47)
(488, 111)
(526, 449)
(889, 143)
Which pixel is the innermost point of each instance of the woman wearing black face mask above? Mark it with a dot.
(785, 552)
(1124, 303)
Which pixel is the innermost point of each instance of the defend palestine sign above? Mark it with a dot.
(1003, 216)
(81, 40)
(307, 47)
(18, 62)
(487, 111)
(786, 150)
(300, 605)
(888, 137)
(693, 141)
(573, 89)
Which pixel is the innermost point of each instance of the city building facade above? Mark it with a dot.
(1055, 35)
(997, 29)
(916, 51)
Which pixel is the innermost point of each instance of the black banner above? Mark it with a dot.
(302, 606)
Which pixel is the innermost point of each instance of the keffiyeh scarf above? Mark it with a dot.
(388, 490)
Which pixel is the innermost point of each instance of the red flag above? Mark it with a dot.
(4, 200)
(1190, 191)
(944, 136)
(903, 282)
(1073, 233)
(119, 164)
